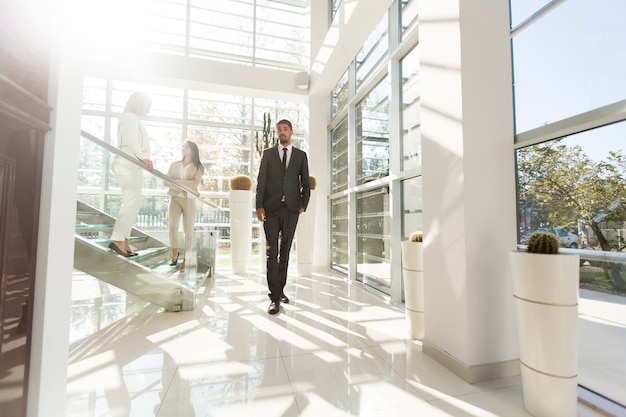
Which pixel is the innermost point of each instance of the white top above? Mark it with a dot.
(280, 152)
(132, 137)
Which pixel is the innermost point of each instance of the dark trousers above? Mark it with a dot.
(280, 227)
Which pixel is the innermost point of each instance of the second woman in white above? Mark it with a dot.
(188, 171)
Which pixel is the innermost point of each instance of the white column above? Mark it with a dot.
(55, 250)
(469, 186)
(319, 161)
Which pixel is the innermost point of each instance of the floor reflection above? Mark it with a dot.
(335, 350)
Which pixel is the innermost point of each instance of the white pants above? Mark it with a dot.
(186, 207)
(130, 178)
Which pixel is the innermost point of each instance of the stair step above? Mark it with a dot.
(92, 227)
(106, 242)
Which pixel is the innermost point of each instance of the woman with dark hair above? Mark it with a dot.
(134, 141)
(188, 172)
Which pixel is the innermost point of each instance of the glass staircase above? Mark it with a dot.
(148, 275)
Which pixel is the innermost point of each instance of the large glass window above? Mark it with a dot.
(363, 129)
(372, 134)
(250, 32)
(569, 61)
(411, 138)
(373, 52)
(339, 163)
(222, 125)
(339, 233)
(571, 171)
(576, 184)
(340, 95)
(373, 238)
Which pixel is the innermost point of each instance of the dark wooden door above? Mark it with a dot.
(24, 120)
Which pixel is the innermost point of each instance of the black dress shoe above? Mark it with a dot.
(284, 299)
(116, 249)
(273, 308)
(131, 253)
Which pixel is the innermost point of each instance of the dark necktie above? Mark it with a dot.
(285, 159)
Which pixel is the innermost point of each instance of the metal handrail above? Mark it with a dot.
(139, 163)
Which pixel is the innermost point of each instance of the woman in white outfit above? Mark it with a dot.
(134, 141)
(188, 172)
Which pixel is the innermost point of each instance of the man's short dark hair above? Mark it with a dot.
(284, 122)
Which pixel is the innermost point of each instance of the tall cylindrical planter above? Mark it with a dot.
(240, 229)
(305, 239)
(413, 278)
(545, 288)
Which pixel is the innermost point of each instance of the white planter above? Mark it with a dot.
(305, 239)
(240, 229)
(413, 278)
(545, 288)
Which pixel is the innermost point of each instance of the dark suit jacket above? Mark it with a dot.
(272, 180)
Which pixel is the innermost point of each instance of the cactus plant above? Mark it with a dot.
(416, 237)
(269, 137)
(240, 182)
(543, 242)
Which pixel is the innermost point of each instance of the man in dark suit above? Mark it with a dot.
(282, 193)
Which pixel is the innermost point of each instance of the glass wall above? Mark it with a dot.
(569, 61)
(223, 126)
(362, 136)
(571, 170)
(373, 53)
(372, 134)
(250, 32)
(339, 234)
(373, 234)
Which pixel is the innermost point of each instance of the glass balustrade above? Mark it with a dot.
(99, 202)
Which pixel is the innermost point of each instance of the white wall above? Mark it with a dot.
(468, 177)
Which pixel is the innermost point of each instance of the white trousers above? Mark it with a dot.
(130, 178)
(186, 207)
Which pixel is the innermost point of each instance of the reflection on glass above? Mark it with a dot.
(411, 138)
(372, 134)
(339, 152)
(373, 52)
(340, 95)
(575, 188)
(373, 239)
(262, 32)
(568, 62)
(282, 33)
(339, 245)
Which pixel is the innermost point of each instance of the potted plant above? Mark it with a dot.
(545, 289)
(268, 136)
(240, 222)
(413, 279)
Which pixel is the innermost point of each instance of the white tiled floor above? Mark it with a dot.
(335, 350)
